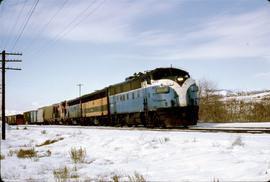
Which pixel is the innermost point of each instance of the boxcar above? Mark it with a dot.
(40, 118)
(33, 116)
(48, 116)
(27, 117)
(17, 119)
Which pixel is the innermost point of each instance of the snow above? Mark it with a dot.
(157, 155)
(248, 96)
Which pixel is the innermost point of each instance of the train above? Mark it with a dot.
(162, 97)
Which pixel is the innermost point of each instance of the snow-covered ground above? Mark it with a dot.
(157, 155)
(255, 96)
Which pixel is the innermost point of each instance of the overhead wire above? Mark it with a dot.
(44, 27)
(25, 25)
(14, 25)
(2, 5)
(71, 25)
(79, 22)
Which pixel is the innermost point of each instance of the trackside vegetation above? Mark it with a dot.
(217, 108)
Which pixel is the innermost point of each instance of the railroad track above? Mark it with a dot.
(252, 130)
(256, 130)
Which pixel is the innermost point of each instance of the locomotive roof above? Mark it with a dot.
(91, 96)
(158, 71)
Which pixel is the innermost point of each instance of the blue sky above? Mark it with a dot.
(101, 42)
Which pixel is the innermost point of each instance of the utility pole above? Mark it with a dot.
(4, 68)
(80, 85)
(80, 89)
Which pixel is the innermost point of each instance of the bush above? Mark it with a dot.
(64, 174)
(61, 174)
(136, 178)
(2, 157)
(217, 108)
(116, 178)
(27, 153)
(77, 155)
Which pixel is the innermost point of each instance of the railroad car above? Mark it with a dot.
(73, 108)
(95, 108)
(60, 112)
(30, 117)
(40, 118)
(163, 97)
(17, 119)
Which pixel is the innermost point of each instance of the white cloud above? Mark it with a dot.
(231, 36)
(263, 75)
(112, 21)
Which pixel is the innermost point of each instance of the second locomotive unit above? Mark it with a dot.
(163, 97)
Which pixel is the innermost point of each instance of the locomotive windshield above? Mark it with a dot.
(170, 73)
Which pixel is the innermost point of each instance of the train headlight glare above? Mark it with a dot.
(180, 79)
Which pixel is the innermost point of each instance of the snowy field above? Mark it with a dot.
(156, 155)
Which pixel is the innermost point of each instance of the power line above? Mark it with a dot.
(71, 25)
(15, 24)
(41, 31)
(26, 23)
(90, 13)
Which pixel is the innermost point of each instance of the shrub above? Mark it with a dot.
(27, 153)
(77, 155)
(64, 174)
(116, 178)
(61, 174)
(136, 178)
(2, 157)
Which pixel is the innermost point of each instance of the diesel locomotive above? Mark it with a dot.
(163, 97)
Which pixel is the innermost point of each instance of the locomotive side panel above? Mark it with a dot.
(97, 107)
(73, 111)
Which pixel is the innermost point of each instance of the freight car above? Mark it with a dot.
(163, 97)
(17, 119)
(30, 117)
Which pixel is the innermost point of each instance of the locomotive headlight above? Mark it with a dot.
(180, 79)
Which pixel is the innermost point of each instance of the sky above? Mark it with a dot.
(101, 42)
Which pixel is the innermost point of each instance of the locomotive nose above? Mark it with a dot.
(192, 95)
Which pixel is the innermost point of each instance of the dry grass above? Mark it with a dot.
(77, 155)
(48, 142)
(64, 174)
(136, 178)
(27, 153)
(2, 157)
(116, 178)
(61, 174)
